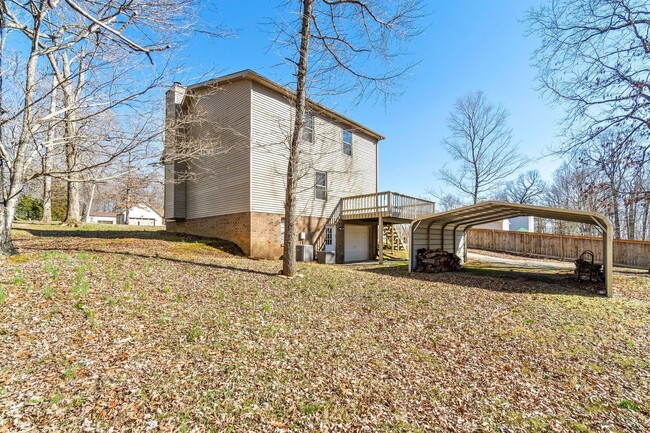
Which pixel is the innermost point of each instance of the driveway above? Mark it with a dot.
(515, 261)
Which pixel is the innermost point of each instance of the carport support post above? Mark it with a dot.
(380, 239)
(608, 258)
(465, 245)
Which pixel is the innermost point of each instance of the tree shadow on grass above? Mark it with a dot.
(167, 259)
(498, 280)
(160, 235)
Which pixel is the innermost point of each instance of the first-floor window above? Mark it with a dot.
(321, 185)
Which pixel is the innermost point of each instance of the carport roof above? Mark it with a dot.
(466, 217)
(497, 210)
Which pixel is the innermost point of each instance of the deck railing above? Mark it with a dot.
(385, 204)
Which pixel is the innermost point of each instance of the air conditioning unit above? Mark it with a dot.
(305, 253)
(326, 257)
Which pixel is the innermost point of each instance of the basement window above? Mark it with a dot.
(320, 187)
(308, 128)
(347, 142)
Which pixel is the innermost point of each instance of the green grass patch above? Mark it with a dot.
(628, 404)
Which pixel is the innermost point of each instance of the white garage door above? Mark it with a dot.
(142, 222)
(357, 240)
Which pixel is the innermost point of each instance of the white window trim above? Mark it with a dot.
(344, 142)
(309, 114)
(320, 187)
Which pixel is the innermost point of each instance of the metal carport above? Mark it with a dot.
(447, 230)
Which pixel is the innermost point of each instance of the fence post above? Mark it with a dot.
(524, 240)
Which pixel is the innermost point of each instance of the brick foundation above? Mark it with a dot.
(232, 227)
(259, 235)
(266, 233)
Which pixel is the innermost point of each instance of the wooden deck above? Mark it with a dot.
(387, 205)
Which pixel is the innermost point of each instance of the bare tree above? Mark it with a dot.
(46, 158)
(339, 45)
(48, 30)
(134, 184)
(573, 187)
(620, 177)
(528, 188)
(446, 202)
(594, 57)
(481, 142)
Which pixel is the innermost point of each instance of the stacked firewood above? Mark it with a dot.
(585, 271)
(437, 261)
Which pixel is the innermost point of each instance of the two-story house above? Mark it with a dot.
(233, 186)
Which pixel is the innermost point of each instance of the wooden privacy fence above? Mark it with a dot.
(634, 254)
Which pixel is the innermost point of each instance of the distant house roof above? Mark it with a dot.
(143, 205)
(249, 74)
(103, 214)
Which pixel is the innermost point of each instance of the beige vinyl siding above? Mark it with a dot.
(346, 175)
(222, 181)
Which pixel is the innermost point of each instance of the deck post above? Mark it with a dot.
(380, 239)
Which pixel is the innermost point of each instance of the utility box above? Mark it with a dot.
(304, 253)
(326, 257)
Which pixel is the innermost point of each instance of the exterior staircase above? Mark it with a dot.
(396, 237)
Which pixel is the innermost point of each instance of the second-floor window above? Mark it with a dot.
(347, 142)
(320, 188)
(308, 128)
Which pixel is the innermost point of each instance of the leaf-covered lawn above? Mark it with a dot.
(108, 328)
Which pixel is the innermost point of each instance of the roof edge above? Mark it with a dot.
(524, 207)
(249, 74)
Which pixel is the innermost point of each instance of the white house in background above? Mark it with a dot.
(522, 223)
(102, 218)
(140, 215)
(516, 224)
(495, 225)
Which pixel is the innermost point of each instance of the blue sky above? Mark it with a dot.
(469, 45)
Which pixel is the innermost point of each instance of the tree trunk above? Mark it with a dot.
(629, 220)
(617, 211)
(290, 205)
(646, 205)
(18, 170)
(47, 200)
(47, 179)
(73, 215)
(7, 214)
